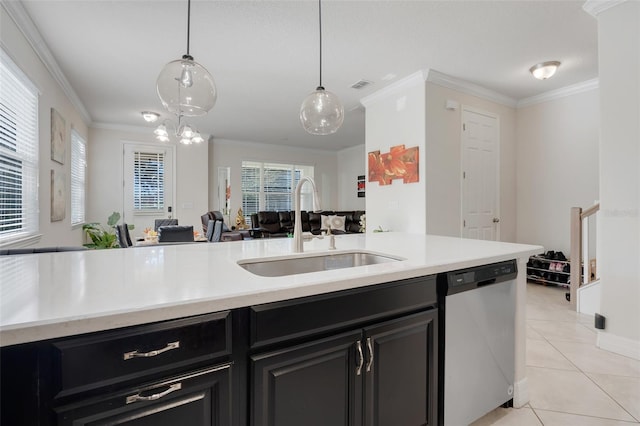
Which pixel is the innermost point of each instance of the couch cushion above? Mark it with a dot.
(337, 223)
(269, 221)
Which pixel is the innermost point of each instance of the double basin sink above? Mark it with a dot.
(302, 264)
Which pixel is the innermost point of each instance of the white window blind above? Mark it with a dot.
(18, 153)
(148, 182)
(270, 186)
(78, 178)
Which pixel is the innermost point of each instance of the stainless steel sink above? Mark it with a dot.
(278, 267)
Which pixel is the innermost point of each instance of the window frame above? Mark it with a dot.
(21, 97)
(263, 193)
(78, 179)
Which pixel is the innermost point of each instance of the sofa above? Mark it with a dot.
(270, 224)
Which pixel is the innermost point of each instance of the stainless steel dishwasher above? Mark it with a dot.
(477, 346)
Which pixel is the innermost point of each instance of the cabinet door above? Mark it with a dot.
(312, 384)
(400, 372)
(198, 399)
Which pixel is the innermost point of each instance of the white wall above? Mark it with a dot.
(443, 161)
(105, 190)
(51, 95)
(229, 153)
(396, 116)
(557, 167)
(351, 164)
(619, 220)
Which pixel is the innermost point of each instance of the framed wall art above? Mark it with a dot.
(58, 196)
(58, 137)
(361, 186)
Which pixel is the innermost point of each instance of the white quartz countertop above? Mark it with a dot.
(49, 295)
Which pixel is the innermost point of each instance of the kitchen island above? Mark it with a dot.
(57, 295)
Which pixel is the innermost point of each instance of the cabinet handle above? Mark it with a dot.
(136, 354)
(360, 358)
(370, 348)
(137, 397)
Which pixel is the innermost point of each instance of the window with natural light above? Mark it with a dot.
(18, 153)
(270, 186)
(78, 178)
(148, 182)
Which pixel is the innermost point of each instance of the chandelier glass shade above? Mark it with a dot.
(321, 112)
(185, 87)
(183, 132)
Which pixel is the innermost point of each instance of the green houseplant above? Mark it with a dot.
(101, 237)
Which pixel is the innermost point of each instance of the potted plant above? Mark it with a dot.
(101, 237)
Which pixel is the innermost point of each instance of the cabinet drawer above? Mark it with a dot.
(199, 398)
(275, 322)
(106, 358)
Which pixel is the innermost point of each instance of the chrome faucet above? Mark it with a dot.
(298, 242)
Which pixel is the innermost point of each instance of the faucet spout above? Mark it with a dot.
(298, 242)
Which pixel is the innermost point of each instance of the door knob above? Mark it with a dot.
(496, 220)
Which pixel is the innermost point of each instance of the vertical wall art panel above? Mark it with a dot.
(58, 137)
(58, 196)
(361, 186)
(398, 163)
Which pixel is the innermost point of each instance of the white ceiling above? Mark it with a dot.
(263, 55)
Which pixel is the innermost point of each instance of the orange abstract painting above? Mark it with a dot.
(398, 163)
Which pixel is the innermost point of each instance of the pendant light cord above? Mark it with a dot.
(320, 29)
(188, 24)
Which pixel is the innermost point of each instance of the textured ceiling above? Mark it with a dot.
(263, 55)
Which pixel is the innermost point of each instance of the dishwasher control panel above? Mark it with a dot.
(480, 276)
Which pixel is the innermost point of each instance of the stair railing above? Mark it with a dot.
(579, 250)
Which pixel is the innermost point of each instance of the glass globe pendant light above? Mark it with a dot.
(321, 112)
(184, 86)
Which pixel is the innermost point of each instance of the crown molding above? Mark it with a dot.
(122, 127)
(444, 80)
(596, 7)
(18, 13)
(392, 89)
(261, 145)
(574, 89)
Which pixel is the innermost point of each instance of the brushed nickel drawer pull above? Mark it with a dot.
(137, 397)
(360, 358)
(136, 354)
(370, 347)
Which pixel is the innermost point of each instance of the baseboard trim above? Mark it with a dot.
(619, 345)
(520, 393)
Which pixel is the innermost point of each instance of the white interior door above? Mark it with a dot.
(480, 175)
(148, 180)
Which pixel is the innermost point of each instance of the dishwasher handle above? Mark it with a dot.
(486, 282)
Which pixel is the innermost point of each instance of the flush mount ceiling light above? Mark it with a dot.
(321, 112)
(150, 117)
(185, 87)
(544, 70)
(182, 131)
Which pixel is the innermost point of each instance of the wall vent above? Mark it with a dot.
(360, 84)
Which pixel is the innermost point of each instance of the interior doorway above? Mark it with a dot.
(480, 174)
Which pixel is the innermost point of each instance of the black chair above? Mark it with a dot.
(122, 233)
(175, 234)
(214, 231)
(164, 222)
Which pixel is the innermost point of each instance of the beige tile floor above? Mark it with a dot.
(571, 381)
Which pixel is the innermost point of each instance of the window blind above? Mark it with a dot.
(78, 178)
(18, 153)
(270, 186)
(148, 182)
